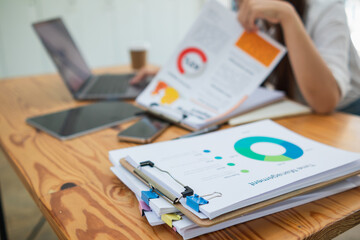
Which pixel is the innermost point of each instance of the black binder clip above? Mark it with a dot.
(154, 104)
(146, 195)
(147, 163)
(188, 191)
(195, 201)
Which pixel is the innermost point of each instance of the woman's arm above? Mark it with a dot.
(313, 76)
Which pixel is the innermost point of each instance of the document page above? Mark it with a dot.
(188, 229)
(242, 163)
(213, 70)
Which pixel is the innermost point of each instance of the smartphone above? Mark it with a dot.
(144, 131)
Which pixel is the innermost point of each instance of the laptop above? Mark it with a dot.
(75, 72)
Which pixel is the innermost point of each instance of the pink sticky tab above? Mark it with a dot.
(143, 207)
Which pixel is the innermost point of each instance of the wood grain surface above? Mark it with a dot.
(72, 184)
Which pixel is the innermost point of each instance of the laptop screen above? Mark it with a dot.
(64, 53)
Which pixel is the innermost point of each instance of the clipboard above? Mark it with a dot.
(236, 213)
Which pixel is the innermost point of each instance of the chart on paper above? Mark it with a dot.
(214, 69)
(245, 147)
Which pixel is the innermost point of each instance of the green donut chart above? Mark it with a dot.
(243, 146)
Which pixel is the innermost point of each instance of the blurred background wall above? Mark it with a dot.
(103, 30)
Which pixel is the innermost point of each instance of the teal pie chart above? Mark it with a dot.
(243, 146)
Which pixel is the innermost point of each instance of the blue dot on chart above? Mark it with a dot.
(206, 151)
(218, 157)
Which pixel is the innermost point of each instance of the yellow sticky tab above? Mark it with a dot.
(170, 217)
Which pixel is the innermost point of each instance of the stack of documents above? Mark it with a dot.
(239, 174)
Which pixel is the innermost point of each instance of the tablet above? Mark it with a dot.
(81, 120)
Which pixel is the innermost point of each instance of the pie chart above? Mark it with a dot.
(243, 146)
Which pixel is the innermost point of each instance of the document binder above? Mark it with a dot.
(230, 215)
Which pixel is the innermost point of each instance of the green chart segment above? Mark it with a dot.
(243, 146)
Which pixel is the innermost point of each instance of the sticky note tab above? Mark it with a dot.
(258, 48)
(170, 217)
(143, 207)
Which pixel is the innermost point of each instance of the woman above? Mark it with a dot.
(322, 67)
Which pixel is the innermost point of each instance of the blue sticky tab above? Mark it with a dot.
(146, 195)
(195, 201)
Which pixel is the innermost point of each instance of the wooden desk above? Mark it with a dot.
(80, 197)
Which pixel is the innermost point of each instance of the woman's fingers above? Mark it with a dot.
(247, 14)
(139, 77)
(251, 10)
(142, 74)
(242, 13)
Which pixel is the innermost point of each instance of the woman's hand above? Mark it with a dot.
(143, 74)
(273, 11)
(313, 76)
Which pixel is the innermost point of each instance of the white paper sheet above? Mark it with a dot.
(188, 229)
(213, 70)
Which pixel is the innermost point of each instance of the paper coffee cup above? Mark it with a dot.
(138, 55)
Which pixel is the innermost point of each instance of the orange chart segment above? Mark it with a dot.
(161, 85)
(258, 48)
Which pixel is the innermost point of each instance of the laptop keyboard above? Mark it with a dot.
(108, 84)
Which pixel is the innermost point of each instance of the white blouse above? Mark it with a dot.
(326, 23)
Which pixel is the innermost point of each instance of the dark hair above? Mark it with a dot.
(282, 78)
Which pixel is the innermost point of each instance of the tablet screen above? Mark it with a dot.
(81, 120)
